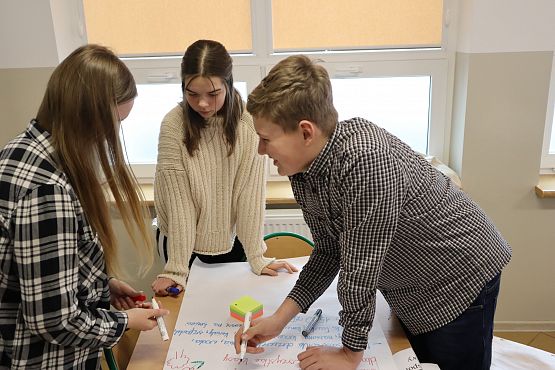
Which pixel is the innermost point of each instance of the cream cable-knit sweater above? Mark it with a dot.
(201, 201)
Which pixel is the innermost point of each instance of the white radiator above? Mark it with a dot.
(291, 220)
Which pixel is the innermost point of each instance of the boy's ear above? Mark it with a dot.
(308, 129)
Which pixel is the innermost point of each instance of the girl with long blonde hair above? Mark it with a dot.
(57, 244)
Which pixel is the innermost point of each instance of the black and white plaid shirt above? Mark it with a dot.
(385, 219)
(54, 295)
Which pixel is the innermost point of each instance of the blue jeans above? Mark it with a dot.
(464, 343)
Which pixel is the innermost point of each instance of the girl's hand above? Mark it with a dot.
(123, 296)
(144, 319)
(160, 287)
(273, 268)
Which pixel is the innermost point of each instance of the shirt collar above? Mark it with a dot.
(319, 166)
(36, 132)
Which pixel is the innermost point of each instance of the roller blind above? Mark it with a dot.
(167, 27)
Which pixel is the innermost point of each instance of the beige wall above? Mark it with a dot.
(498, 122)
(21, 92)
(131, 263)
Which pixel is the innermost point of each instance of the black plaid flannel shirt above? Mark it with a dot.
(54, 296)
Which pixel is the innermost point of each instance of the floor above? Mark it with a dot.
(542, 340)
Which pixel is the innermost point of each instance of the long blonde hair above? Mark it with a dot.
(79, 110)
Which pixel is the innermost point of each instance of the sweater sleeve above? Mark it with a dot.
(173, 200)
(250, 192)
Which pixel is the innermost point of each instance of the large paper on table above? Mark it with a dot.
(203, 335)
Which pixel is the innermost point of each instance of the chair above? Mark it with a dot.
(109, 360)
(118, 357)
(287, 245)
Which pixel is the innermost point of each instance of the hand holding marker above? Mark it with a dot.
(160, 321)
(310, 326)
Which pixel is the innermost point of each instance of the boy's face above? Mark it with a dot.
(288, 149)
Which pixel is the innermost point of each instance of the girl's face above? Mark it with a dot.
(206, 95)
(124, 109)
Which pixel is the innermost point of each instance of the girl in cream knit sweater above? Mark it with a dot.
(210, 180)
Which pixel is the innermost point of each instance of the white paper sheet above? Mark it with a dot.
(203, 335)
(407, 360)
(509, 355)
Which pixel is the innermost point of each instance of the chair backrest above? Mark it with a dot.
(118, 357)
(287, 245)
(109, 360)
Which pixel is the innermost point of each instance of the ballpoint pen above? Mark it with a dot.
(160, 321)
(310, 326)
(246, 326)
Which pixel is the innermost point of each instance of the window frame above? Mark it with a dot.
(435, 62)
(548, 160)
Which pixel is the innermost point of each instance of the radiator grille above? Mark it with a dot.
(291, 220)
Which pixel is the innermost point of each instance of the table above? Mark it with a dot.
(150, 351)
(277, 193)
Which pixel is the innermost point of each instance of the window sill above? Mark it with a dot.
(277, 193)
(546, 186)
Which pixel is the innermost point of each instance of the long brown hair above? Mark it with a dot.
(79, 109)
(207, 58)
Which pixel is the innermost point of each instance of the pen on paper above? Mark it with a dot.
(310, 326)
(246, 326)
(160, 321)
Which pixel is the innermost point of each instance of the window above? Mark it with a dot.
(548, 152)
(397, 77)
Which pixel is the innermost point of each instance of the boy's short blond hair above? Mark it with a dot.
(295, 89)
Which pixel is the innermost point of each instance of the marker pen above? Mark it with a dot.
(140, 298)
(173, 290)
(160, 321)
(246, 326)
(310, 326)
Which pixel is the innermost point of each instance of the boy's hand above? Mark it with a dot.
(329, 358)
(260, 331)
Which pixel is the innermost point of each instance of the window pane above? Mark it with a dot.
(552, 144)
(362, 24)
(141, 128)
(398, 104)
(161, 27)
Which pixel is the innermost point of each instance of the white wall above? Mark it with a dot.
(490, 26)
(39, 33)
